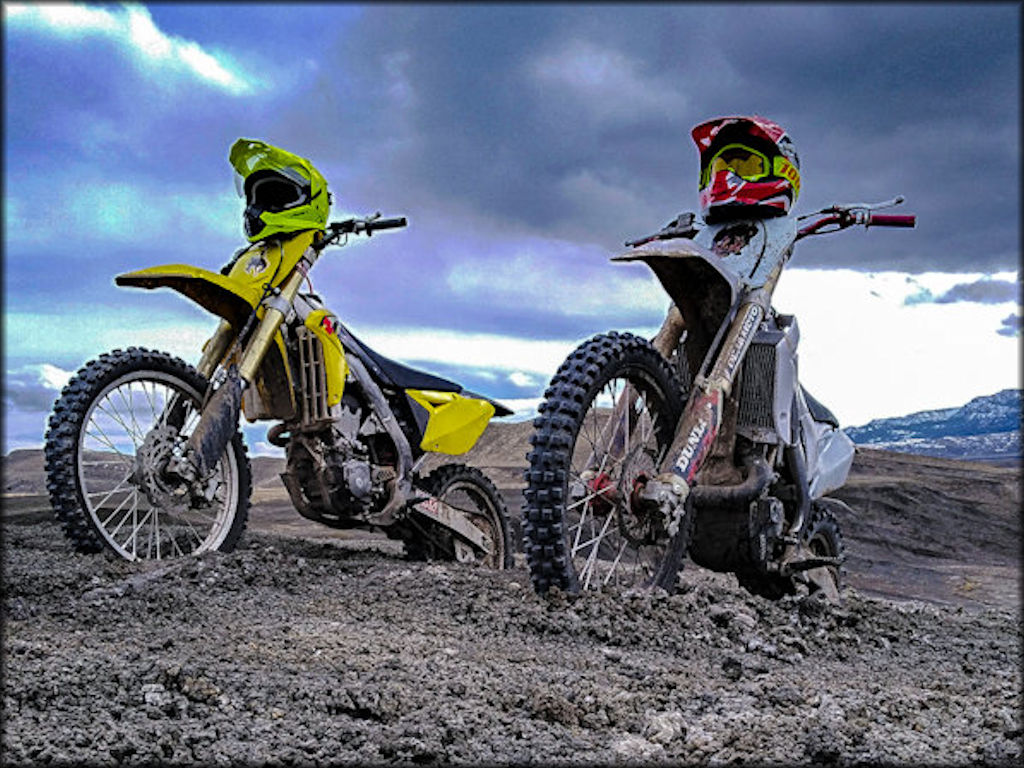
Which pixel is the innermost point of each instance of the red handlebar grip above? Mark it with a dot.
(889, 220)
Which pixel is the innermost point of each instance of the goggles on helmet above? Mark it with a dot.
(750, 165)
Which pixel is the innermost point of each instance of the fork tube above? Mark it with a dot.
(273, 316)
(215, 348)
(702, 418)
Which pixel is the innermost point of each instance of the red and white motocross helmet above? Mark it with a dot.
(748, 168)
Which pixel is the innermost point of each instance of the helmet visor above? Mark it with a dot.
(747, 163)
(274, 193)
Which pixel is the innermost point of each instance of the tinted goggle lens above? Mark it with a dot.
(276, 194)
(746, 163)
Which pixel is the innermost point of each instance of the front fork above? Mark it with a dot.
(702, 417)
(220, 415)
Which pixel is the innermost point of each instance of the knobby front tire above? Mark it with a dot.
(109, 438)
(608, 417)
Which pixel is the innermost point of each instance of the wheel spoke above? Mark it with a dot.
(107, 441)
(137, 526)
(117, 489)
(110, 410)
(135, 428)
(618, 556)
(591, 563)
(621, 441)
(124, 518)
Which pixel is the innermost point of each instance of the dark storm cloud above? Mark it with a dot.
(982, 292)
(27, 391)
(121, 123)
(985, 291)
(573, 120)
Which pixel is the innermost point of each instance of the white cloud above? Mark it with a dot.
(472, 350)
(129, 212)
(866, 354)
(521, 379)
(522, 408)
(133, 27)
(529, 274)
(30, 335)
(52, 376)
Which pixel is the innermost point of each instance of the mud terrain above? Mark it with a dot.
(306, 646)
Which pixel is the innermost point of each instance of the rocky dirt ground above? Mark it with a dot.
(302, 650)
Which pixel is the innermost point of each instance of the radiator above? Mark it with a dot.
(757, 388)
(312, 378)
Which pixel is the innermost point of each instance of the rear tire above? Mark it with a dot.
(470, 491)
(824, 538)
(576, 538)
(111, 433)
(821, 538)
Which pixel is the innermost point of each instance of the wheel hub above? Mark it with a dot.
(151, 461)
(598, 488)
(638, 523)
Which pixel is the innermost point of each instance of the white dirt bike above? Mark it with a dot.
(701, 442)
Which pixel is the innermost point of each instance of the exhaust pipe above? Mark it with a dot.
(794, 458)
(759, 476)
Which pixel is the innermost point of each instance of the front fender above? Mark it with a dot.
(216, 293)
(233, 300)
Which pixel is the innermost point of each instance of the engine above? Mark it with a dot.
(333, 471)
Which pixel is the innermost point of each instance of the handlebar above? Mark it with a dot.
(395, 223)
(837, 217)
(888, 220)
(337, 229)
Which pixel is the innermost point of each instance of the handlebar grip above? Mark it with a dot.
(891, 220)
(394, 223)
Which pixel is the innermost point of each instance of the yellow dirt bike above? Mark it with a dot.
(144, 456)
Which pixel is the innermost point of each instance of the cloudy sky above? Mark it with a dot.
(524, 143)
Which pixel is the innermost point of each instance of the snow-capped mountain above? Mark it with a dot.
(986, 428)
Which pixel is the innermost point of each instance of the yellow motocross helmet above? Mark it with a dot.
(283, 192)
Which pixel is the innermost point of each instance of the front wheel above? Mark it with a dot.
(605, 425)
(113, 431)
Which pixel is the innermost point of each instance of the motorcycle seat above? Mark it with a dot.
(402, 376)
(818, 411)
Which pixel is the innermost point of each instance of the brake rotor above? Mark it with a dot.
(151, 460)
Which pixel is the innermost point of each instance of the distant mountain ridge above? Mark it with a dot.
(985, 429)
